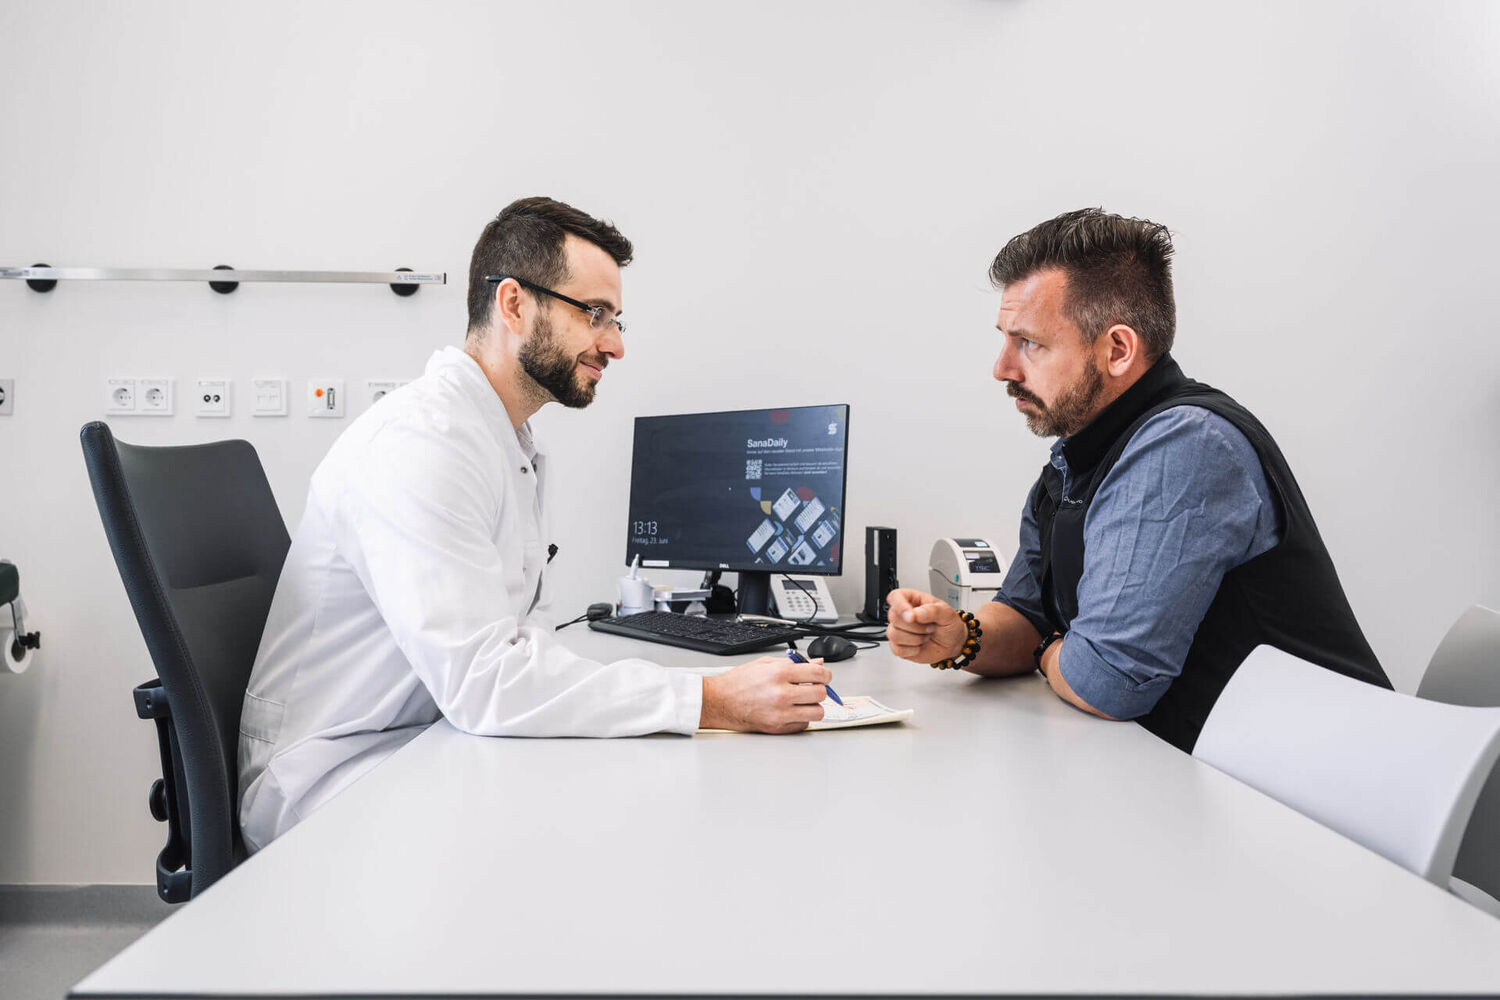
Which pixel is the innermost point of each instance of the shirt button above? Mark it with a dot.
(524, 470)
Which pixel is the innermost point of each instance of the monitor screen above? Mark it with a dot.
(748, 490)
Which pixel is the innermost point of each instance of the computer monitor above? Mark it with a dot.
(752, 491)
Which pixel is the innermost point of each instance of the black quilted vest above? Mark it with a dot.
(1288, 597)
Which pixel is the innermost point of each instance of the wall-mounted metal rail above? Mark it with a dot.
(223, 279)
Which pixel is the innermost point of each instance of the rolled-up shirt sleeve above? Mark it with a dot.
(1187, 502)
(416, 526)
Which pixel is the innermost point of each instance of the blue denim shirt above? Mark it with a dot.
(1187, 502)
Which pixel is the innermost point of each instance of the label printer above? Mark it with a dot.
(965, 572)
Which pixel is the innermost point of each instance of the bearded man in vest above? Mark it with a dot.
(1167, 536)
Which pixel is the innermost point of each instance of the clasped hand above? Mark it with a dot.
(922, 628)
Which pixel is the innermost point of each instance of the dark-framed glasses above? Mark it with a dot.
(599, 316)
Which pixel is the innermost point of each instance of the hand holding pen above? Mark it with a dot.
(797, 657)
(766, 695)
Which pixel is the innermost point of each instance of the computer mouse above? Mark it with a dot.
(831, 649)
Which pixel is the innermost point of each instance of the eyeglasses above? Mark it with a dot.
(599, 316)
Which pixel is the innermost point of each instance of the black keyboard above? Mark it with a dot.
(707, 635)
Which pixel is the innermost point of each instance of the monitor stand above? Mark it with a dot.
(754, 592)
(721, 599)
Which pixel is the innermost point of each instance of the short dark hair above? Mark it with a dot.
(1119, 271)
(526, 240)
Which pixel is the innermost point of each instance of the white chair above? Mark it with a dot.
(1465, 670)
(1395, 773)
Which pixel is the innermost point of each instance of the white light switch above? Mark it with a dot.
(325, 397)
(270, 397)
(211, 397)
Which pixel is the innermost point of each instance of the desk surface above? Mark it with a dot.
(1000, 843)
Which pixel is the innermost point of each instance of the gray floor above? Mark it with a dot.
(53, 936)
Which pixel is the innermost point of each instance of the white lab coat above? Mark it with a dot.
(414, 590)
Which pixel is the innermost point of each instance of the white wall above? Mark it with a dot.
(815, 191)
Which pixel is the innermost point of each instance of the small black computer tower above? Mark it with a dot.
(880, 572)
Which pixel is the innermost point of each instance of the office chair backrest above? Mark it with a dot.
(199, 543)
(1395, 773)
(1465, 670)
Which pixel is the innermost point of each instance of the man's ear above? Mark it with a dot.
(510, 306)
(1120, 348)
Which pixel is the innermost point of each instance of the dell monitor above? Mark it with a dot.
(752, 491)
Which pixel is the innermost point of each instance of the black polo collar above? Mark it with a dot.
(1084, 449)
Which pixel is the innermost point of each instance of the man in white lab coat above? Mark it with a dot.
(414, 586)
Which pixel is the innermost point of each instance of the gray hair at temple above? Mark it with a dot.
(1119, 270)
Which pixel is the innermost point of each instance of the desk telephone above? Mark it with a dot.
(802, 597)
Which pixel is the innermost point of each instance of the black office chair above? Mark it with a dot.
(199, 543)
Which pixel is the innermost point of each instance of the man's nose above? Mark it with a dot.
(1006, 369)
(611, 343)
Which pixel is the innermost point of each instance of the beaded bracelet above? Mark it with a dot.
(971, 645)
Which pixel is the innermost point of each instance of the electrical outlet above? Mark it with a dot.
(270, 397)
(154, 397)
(378, 389)
(7, 396)
(119, 396)
(211, 398)
(325, 397)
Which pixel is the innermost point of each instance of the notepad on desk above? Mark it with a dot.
(857, 711)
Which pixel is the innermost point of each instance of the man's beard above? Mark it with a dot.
(1069, 411)
(554, 370)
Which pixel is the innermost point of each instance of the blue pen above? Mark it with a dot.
(797, 657)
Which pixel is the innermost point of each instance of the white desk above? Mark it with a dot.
(1000, 843)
